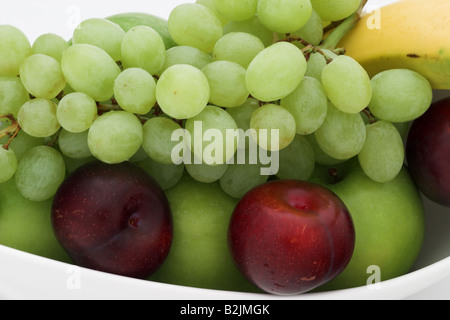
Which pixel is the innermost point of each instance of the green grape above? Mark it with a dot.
(21, 143)
(135, 91)
(274, 127)
(74, 145)
(76, 112)
(14, 49)
(347, 84)
(252, 26)
(210, 140)
(243, 114)
(211, 6)
(8, 164)
(403, 128)
(68, 89)
(238, 47)
(4, 123)
(143, 47)
(140, 155)
(312, 32)
(276, 72)
(101, 33)
(51, 45)
(37, 118)
(383, 154)
(284, 16)
(195, 25)
(329, 54)
(182, 91)
(320, 156)
(227, 83)
(342, 135)
(308, 104)
(166, 175)
(236, 10)
(400, 95)
(240, 178)
(186, 55)
(158, 143)
(129, 20)
(316, 64)
(39, 173)
(335, 10)
(12, 95)
(205, 173)
(115, 136)
(297, 161)
(90, 70)
(42, 76)
(74, 164)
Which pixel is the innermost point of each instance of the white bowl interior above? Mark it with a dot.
(26, 276)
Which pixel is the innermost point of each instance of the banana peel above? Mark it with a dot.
(410, 34)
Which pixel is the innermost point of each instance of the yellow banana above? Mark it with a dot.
(412, 34)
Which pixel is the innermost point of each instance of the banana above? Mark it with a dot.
(411, 34)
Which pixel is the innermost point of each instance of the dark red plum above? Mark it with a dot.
(113, 218)
(428, 152)
(289, 237)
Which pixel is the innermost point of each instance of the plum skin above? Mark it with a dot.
(113, 218)
(428, 152)
(289, 237)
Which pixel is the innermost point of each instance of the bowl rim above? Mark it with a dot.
(37, 271)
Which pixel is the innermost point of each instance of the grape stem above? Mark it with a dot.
(55, 138)
(292, 38)
(333, 172)
(333, 25)
(370, 116)
(60, 96)
(309, 48)
(104, 107)
(157, 110)
(342, 28)
(11, 130)
(142, 118)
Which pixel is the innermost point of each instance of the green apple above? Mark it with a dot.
(130, 20)
(199, 256)
(389, 222)
(25, 225)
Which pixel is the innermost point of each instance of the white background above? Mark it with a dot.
(36, 17)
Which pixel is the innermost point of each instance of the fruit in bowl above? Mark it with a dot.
(389, 221)
(428, 152)
(199, 256)
(26, 226)
(289, 237)
(147, 106)
(113, 218)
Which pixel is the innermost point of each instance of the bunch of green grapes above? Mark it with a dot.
(249, 93)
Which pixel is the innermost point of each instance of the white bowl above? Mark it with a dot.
(26, 276)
